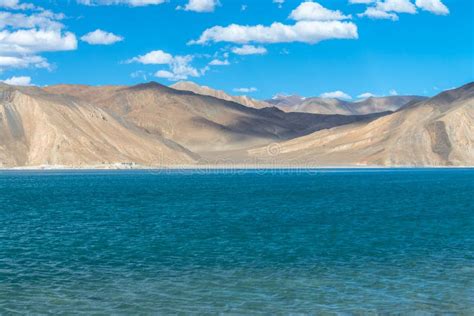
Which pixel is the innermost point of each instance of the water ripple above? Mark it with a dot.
(252, 243)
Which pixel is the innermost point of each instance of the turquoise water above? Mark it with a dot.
(357, 242)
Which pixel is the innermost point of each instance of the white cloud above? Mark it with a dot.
(99, 37)
(7, 62)
(180, 70)
(336, 95)
(167, 75)
(375, 13)
(36, 40)
(139, 74)
(279, 2)
(304, 31)
(366, 95)
(23, 36)
(10, 4)
(18, 81)
(393, 92)
(399, 6)
(388, 9)
(179, 66)
(218, 62)
(44, 19)
(314, 23)
(38, 32)
(157, 57)
(361, 1)
(132, 3)
(16, 5)
(201, 5)
(249, 50)
(433, 6)
(313, 11)
(245, 90)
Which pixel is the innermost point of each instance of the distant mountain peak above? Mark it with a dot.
(149, 85)
(220, 94)
(281, 96)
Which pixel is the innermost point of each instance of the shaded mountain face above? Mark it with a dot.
(341, 107)
(435, 132)
(202, 124)
(203, 90)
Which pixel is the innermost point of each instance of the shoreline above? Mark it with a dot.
(236, 167)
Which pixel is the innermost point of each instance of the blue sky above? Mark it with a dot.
(308, 48)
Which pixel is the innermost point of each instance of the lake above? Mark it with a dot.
(239, 242)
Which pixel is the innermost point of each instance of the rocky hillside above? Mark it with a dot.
(335, 106)
(37, 128)
(158, 126)
(435, 132)
(203, 90)
(203, 124)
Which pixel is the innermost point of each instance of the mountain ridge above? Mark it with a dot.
(435, 132)
(43, 129)
(203, 123)
(220, 94)
(318, 105)
(313, 105)
(157, 126)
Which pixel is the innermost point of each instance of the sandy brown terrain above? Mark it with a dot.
(435, 132)
(151, 125)
(201, 123)
(37, 128)
(335, 106)
(203, 90)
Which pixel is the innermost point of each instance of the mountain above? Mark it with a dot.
(38, 128)
(318, 106)
(383, 104)
(203, 90)
(285, 101)
(202, 124)
(335, 106)
(434, 132)
(158, 126)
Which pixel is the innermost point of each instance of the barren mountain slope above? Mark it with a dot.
(37, 128)
(336, 106)
(322, 106)
(203, 90)
(283, 101)
(382, 104)
(435, 132)
(203, 124)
